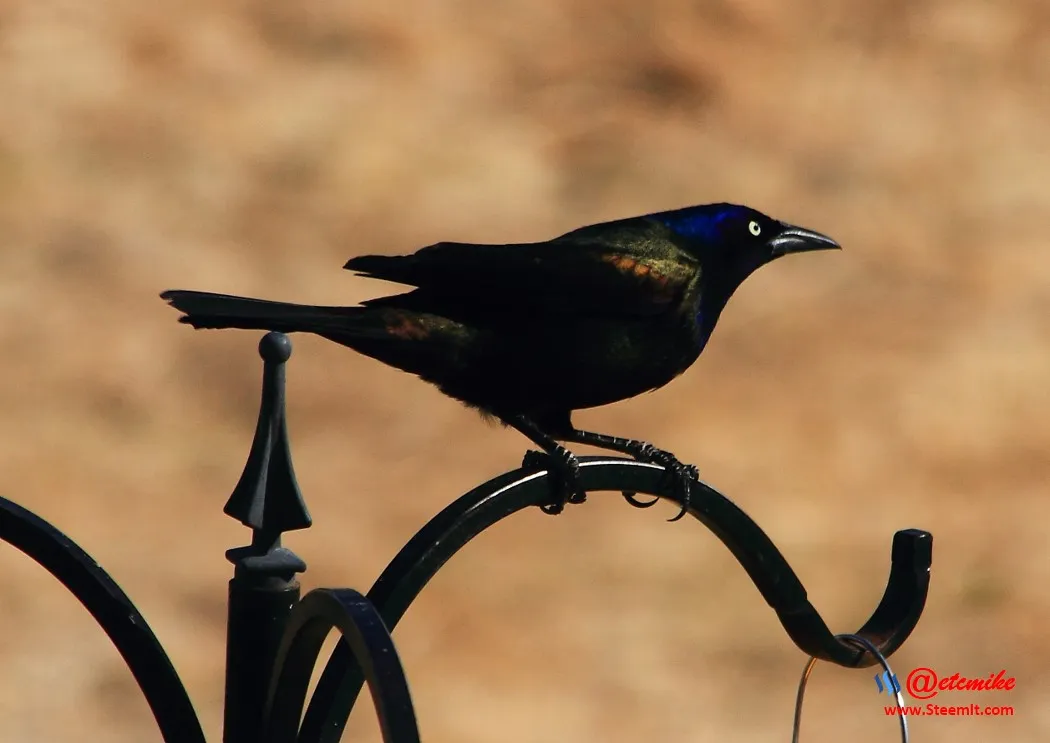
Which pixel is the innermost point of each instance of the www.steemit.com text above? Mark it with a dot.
(960, 710)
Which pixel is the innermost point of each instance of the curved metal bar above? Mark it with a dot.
(366, 640)
(887, 628)
(113, 611)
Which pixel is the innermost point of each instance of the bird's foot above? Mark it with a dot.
(684, 474)
(564, 473)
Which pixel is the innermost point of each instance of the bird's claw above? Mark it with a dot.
(564, 472)
(534, 458)
(632, 498)
(683, 473)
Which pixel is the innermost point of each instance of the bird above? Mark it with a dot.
(529, 333)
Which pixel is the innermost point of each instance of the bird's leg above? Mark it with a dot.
(643, 452)
(563, 464)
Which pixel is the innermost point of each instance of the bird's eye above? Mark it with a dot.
(755, 228)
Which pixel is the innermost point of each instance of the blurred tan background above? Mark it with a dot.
(248, 146)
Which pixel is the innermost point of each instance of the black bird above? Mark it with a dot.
(528, 333)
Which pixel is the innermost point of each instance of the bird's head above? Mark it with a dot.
(732, 242)
(741, 238)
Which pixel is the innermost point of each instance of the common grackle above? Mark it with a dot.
(528, 333)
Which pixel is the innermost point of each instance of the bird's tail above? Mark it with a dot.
(207, 310)
(422, 344)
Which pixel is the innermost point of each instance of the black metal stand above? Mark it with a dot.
(274, 639)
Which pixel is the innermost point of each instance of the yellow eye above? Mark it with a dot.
(755, 228)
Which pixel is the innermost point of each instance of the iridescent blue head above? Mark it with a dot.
(740, 234)
(732, 242)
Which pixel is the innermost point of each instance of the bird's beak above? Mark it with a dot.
(794, 239)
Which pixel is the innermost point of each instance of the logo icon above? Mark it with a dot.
(887, 681)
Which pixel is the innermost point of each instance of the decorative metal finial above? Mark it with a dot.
(267, 497)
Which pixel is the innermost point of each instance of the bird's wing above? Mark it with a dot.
(636, 269)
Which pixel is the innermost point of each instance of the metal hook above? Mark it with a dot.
(865, 645)
(411, 570)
